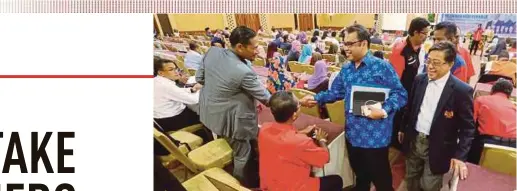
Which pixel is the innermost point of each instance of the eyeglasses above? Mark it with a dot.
(348, 44)
(434, 63)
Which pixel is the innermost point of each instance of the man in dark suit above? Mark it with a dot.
(440, 113)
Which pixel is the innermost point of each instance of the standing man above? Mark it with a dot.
(367, 136)
(227, 100)
(447, 31)
(440, 113)
(464, 53)
(476, 38)
(408, 60)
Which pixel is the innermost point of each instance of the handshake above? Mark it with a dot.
(308, 101)
(314, 132)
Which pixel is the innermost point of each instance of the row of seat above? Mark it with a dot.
(201, 168)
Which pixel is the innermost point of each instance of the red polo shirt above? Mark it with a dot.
(478, 34)
(464, 53)
(495, 115)
(286, 158)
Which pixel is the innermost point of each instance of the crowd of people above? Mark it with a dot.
(430, 112)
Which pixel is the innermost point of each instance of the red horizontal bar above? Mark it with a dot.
(76, 76)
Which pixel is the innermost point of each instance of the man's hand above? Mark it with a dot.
(183, 79)
(401, 137)
(459, 168)
(197, 87)
(307, 130)
(375, 113)
(308, 101)
(321, 135)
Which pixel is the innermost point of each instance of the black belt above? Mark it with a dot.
(502, 139)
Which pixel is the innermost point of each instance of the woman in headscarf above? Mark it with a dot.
(316, 56)
(302, 37)
(272, 47)
(294, 53)
(319, 81)
(305, 57)
(278, 77)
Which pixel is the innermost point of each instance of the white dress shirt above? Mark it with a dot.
(193, 59)
(432, 95)
(169, 99)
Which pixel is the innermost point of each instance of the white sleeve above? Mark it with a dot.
(182, 95)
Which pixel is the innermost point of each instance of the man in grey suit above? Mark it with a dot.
(227, 100)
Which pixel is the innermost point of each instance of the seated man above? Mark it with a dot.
(287, 155)
(193, 58)
(495, 116)
(502, 67)
(170, 101)
(217, 40)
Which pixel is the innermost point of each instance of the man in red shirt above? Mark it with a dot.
(495, 116)
(464, 53)
(476, 38)
(287, 155)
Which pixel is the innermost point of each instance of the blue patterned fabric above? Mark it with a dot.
(361, 131)
(277, 76)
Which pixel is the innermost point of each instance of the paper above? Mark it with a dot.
(191, 80)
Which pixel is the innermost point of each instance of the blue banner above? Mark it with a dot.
(503, 25)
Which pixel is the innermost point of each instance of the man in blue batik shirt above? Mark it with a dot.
(368, 136)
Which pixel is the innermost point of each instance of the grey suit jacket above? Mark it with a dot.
(227, 99)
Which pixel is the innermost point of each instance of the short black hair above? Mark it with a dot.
(316, 33)
(207, 28)
(285, 37)
(417, 24)
(242, 35)
(333, 34)
(193, 46)
(448, 48)
(325, 34)
(158, 64)
(226, 28)
(450, 28)
(314, 39)
(362, 32)
(283, 105)
(503, 86)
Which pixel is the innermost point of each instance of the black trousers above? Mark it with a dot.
(331, 183)
(474, 46)
(477, 146)
(245, 162)
(370, 165)
(163, 179)
(184, 119)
